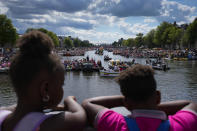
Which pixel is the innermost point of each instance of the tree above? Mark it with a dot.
(52, 35)
(115, 44)
(149, 39)
(161, 34)
(43, 30)
(191, 33)
(77, 42)
(139, 40)
(85, 43)
(8, 34)
(54, 38)
(68, 42)
(174, 36)
(120, 41)
(129, 42)
(125, 43)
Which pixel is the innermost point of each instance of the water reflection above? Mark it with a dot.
(7, 95)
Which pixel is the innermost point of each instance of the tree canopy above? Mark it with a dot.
(68, 42)
(166, 35)
(8, 34)
(191, 33)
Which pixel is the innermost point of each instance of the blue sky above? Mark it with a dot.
(99, 21)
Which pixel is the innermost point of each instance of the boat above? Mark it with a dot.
(112, 63)
(4, 69)
(158, 65)
(163, 67)
(180, 58)
(110, 73)
(87, 67)
(106, 58)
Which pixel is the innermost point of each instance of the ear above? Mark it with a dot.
(158, 97)
(44, 88)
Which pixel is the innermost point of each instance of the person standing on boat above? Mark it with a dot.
(87, 58)
(141, 98)
(37, 75)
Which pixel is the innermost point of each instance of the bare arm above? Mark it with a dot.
(94, 105)
(10, 108)
(76, 114)
(72, 118)
(172, 107)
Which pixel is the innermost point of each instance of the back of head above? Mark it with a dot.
(34, 55)
(137, 83)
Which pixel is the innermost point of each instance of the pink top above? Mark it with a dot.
(147, 120)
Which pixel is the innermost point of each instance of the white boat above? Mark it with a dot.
(110, 73)
(4, 69)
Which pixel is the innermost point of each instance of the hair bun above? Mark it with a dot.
(35, 44)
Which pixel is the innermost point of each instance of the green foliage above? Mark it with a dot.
(184, 40)
(115, 44)
(54, 38)
(125, 43)
(168, 35)
(139, 40)
(120, 41)
(175, 35)
(191, 33)
(129, 42)
(8, 34)
(52, 35)
(68, 42)
(77, 42)
(149, 39)
(43, 30)
(161, 34)
(85, 43)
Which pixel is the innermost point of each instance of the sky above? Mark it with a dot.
(99, 21)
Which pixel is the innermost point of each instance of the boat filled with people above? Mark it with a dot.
(83, 65)
(158, 64)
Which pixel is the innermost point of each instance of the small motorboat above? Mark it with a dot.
(163, 67)
(160, 65)
(109, 72)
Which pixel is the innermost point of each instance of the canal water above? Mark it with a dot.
(180, 82)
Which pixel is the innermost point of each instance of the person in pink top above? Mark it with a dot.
(141, 98)
(37, 75)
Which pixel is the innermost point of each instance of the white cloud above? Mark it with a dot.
(174, 11)
(81, 18)
(3, 8)
(125, 8)
(190, 19)
(95, 36)
(135, 28)
(149, 20)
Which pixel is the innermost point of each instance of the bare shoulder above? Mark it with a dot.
(62, 121)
